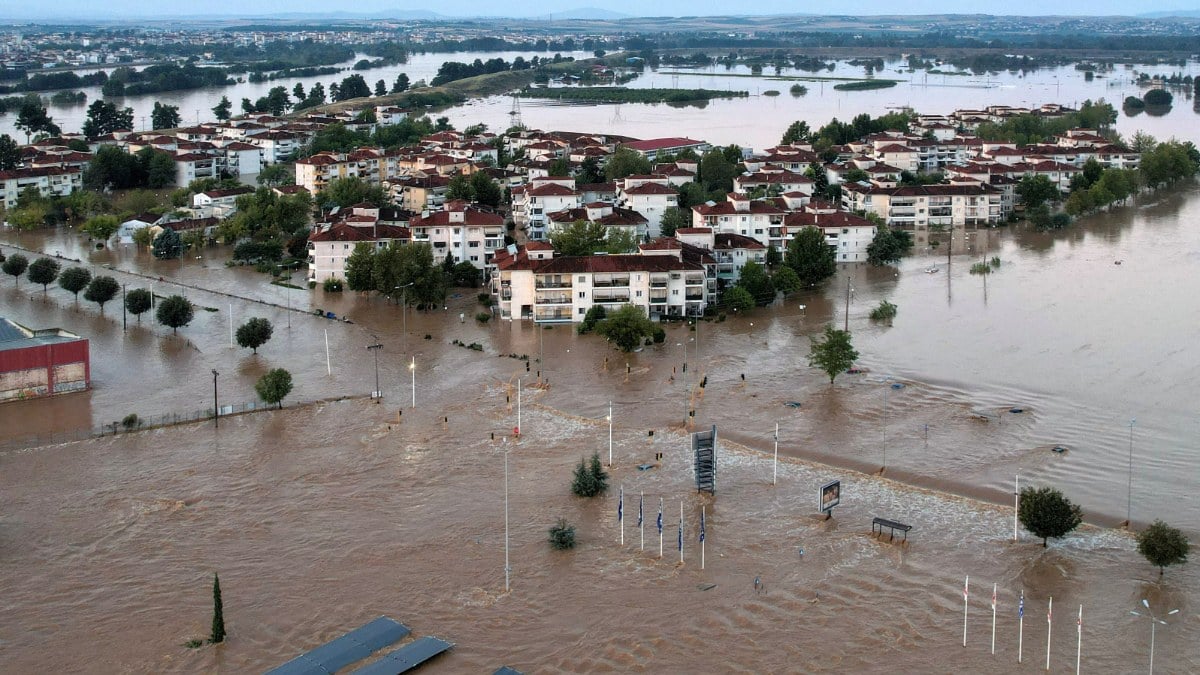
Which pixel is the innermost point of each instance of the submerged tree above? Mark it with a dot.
(1163, 545)
(832, 353)
(1047, 513)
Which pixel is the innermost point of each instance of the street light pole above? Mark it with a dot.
(287, 292)
(1129, 489)
(412, 367)
(1154, 621)
(507, 569)
(404, 310)
(846, 318)
(609, 418)
(374, 349)
(216, 410)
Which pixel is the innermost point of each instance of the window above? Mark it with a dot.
(582, 294)
(674, 291)
(582, 311)
(582, 279)
(473, 244)
(474, 258)
(639, 294)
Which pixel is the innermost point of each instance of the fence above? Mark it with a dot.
(132, 423)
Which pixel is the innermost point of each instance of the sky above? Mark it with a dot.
(17, 9)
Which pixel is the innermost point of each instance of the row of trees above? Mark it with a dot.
(398, 267)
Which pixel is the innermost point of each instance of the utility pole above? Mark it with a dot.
(374, 349)
(216, 410)
(846, 319)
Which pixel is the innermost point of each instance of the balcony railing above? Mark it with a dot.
(552, 283)
(614, 283)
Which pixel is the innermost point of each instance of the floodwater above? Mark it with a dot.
(321, 517)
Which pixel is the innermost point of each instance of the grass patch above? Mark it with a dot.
(623, 95)
(865, 85)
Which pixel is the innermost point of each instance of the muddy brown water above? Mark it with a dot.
(322, 517)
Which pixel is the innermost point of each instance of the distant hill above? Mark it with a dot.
(1191, 13)
(590, 14)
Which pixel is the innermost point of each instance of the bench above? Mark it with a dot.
(891, 525)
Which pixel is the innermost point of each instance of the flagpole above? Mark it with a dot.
(775, 471)
(1021, 626)
(660, 529)
(993, 619)
(1016, 505)
(1079, 638)
(966, 585)
(641, 525)
(621, 514)
(1049, 627)
(681, 532)
(702, 537)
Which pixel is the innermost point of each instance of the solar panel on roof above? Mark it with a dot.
(407, 657)
(354, 646)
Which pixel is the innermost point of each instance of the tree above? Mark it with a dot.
(105, 118)
(381, 88)
(138, 301)
(32, 118)
(275, 175)
(798, 132)
(1035, 190)
(218, 621)
(74, 279)
(10, 153)
(819, 177)
(222, 110)
(101, 227)
(1158, 97)
(43, 271)
(164, 116)
(100, 290)
(160, 168)
(401, 84)
(29, 217)
(626, 162)
(274, 385)
(298, 91)
(353, 86)
(14, 266)
(786, 280)
(717, 171)
(1163, 545)
(888, 246)
(757, 282)
(832, 353)
(581, 237)
(813, 260)
(589, 172)
(141, 237)
(168, 245)
(254, 333)
(348, 191)
(590, 478)
(774, 257)
(626, 327)
(1047, 513)
(360, 267)
(174, 312)
(401, 265)
(113, 168)
(674, 218)
(737, 299)
(485, 190)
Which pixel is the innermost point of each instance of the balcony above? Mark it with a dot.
(694, 281)
(691, 297)
(552, 298)
(552, 283)
(552, 314)
(611, 283)
(658, 299)
(609, 298)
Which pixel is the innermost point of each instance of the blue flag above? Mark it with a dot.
(1021, 607)
(701, 526)
(621, 506)
(681, 534)
(639, 510)
(660, 516)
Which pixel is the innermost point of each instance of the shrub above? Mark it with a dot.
(594, 315)
(660, 335)
(886, 311)
(483, 317)
(332, 285)
(131, 422)
(485, 299)
(562, 535)
(1159, 97)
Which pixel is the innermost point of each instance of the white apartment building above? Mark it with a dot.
(464, 232)
(761, 220)
(328, 250)
(49, 180)
(650, 196)
(531, 203)
(924, 205)
(534, 284)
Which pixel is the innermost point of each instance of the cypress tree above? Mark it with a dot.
(218, 622)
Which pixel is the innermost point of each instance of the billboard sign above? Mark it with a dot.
(831, 495)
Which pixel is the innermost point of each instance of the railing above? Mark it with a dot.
(615, 283)
(552, 298)
(566, 283)
(658, 284)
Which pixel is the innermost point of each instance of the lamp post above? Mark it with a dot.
(374, 349)
(216, 410)
(609, 418)
(412, 369)
(404, 311)
(287, 292)
(1129, 489)
(1154, 621)
(507, 569)
(684, 345)
(518, 406)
